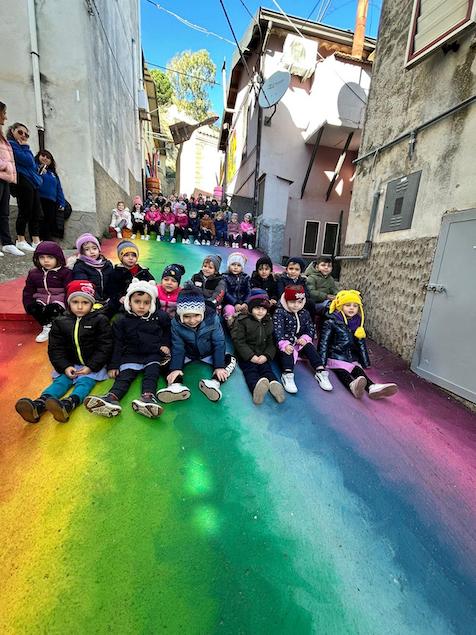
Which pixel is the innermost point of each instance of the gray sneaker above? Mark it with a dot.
(148, 406)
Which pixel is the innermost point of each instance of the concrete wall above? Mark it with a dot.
(200, 161)
(399, 100)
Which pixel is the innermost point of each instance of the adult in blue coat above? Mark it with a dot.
(51, 194)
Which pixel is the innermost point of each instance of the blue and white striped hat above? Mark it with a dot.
(190, 300)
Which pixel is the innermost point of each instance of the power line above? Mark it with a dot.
(173, 70)
(323, 11)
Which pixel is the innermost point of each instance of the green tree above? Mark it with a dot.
(163, 87)
(191, 87)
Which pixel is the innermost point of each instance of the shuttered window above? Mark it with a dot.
(434, 22)
(310, 238)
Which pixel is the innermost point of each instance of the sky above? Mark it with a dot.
(163, 35)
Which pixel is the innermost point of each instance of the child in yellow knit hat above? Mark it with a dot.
(342, 347)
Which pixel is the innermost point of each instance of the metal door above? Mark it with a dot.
(445, 350)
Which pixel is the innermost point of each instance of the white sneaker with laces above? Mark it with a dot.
(322, 378)
(379, 391)
(158, 239)
(357, 387)
(133, 236)
(173, 240)
(174, 392)
(44, 335)
(24, 246)
(288, 383)
(211, 389)
(119, 234)
(197, 242)
(12, 250)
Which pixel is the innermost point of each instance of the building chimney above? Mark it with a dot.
(359, 31)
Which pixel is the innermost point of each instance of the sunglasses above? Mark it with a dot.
(23, 133)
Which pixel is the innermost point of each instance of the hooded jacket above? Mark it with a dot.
(153, 216)
(168, 218)
(25, 163)
(47, 286)
(51, 187)
(247, 228)
(101, 277)
(337, 341)
(208, 339)
(8, 171)
(237, 288)
(289, 326)
(213, 287)
(85, 341)
(253, 337)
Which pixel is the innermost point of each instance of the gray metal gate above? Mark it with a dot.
(445, 350)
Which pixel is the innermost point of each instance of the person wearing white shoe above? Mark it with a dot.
(173, 240)
(8, 176)
(44, 334)
(23, 245)
(197, 335)
(120, 219)
(12, 250)
(1, 254)
(322, 378)
(289, 383)
(343, 349)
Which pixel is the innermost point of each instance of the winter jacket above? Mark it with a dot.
(234, 228)
(290, 327)
(253, 337)
(237, 288)
(153, 216)
(51, 187)
(247, 228)
(8, 171)
(194, 224)
(85, 341)
(101, 277)
(118, 216)
(137, 340)
(337, 341)
(25, 163)
(168, 218)
(268, 284)
(221, 226)
(138, 216)
(207, 223)
(47, 286)
(213, 209)
(213, 287)
(181, 220)
(283, 280)
(120, 279)
(208, 339)
(168, 301)
(320, 286)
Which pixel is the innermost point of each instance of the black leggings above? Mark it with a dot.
(5, 237)
(44, 313)
(254, 372)
(308, 351)
(48, 224)
(347, 378)
(29, 208)
(138, 227)
(127, 376)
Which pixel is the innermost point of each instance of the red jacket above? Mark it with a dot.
(168, 301)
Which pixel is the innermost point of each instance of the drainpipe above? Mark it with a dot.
(368, 242)
(359, 30)
(35, 62)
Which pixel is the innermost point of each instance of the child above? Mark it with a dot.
(322, 286)
(197, 335)
(343, 349)
(294, 332)
(248, 232)
(167, 223)
(221, 233)
(181, 225)
(138, 218)
(93, 266)
(237, 287)
(120, 219)
(234, 231)
(252, 336)
(209, 280)
(292, 275)
(152, 219)
(129, 268)
(207, 229)
(262, 278)
(45, 286)
(141, 343)
(169, 288)
(80, 346)
(193, 227)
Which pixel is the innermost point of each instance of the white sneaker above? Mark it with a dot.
(379, 391)
(245, 245)
(173, 240)
(1, 253)
(204, 242)
(250, 246)
(357, 387)
(147, 237)
(119, 234)
(142, 237)
(174, 392)
(44, 335)
(260, 390)
(288, 383)
(158, 239)
(231, 366)
(210, 388)
(133, 236)
(12, 250)
(276, 389)
(208, 242)
(24, 246)
(197, 242)
(322, 378)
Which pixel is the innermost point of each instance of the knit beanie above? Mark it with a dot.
(86, 238)
(215, 259)
(80, 289)
(236, 256)
(125, 247)
(174, 271)
(294, 292)
(248, 216)
(142, 286)
(256, 298)
(297, 261)
(264, 260)
(137, 200)
(346, 296)
(190, 300)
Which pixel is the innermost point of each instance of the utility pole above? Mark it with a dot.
(359, 30)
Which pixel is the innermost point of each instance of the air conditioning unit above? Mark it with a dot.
(299, 56)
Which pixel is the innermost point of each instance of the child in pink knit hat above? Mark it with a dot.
(92, 265)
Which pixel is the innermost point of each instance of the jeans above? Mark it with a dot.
(60, 386)
(254, 372)
(221, 236)
(308, 351)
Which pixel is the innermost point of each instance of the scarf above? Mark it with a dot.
(97, 264)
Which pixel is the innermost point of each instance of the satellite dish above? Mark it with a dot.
(274, 88)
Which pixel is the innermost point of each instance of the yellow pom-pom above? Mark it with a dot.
(360, 333)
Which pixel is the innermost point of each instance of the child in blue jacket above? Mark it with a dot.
(237, 287)
(197, 335)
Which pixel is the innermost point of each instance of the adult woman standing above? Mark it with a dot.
(27, 188)
(8, 174)
(51, 194)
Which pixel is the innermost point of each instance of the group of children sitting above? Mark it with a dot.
(174, 222)
(111, 321)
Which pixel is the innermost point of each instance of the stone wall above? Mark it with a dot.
(392, 282)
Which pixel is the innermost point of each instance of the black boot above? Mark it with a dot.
(30, 410)
(61, 408)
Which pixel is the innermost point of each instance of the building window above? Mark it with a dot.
(331, 233)
(434, 22)
(311, 238)
(400, 203)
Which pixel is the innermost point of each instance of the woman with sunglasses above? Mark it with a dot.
(27, 188)
(8, 176)
(51, 194)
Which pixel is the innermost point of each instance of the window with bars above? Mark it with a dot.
(311, 238)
